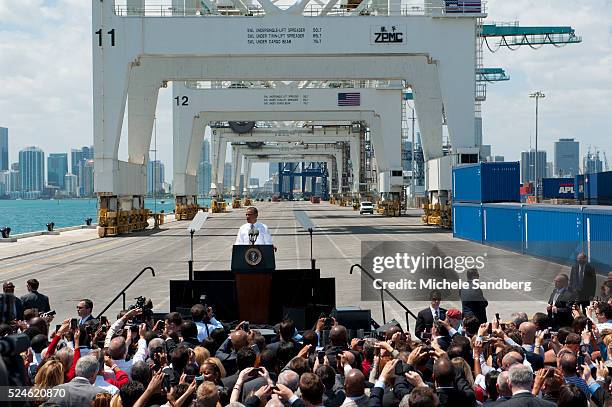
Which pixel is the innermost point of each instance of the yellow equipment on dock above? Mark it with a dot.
(218, 206)
(236, 203)
(119, 215)
(437, 215)
(185, 207)
(389, 208)
(247, 202)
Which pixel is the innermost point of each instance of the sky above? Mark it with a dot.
(46, 97)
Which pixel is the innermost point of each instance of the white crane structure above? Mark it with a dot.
(305, 138)
(293, 153)
(205, 106)
(139, 49)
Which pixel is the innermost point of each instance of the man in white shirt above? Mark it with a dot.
(263, 238)
(204, 320)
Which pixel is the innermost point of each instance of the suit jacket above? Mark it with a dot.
(474, 303)
(589, 282)
(15, 311)
(79, 393)
(526, 400)
(425, 321)
(376, 397)
(360, 402)
(34, 299)
(563, 317)
(454, 397)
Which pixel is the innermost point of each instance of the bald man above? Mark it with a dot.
(338, 337)
(118, 351)
(451, 390)
(354, 387)
(227, 352)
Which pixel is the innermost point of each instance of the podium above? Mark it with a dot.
(253, 266)
(257, 292)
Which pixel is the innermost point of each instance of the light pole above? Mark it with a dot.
(536, 95)
(412, 179)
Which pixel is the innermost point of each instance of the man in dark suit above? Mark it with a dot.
(451, 386)
(521, 381)
(426, 317)
(11, 307)
(583, 281)
(84, 309)
(559, 310)
(34, 299)
(473, 301)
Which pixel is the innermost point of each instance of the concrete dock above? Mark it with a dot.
(77, 264)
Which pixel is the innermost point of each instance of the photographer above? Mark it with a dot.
(204, 320)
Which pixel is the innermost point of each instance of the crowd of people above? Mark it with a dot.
(561, 356)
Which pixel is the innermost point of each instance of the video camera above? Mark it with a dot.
(147, 310)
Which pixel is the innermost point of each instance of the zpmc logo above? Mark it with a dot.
(393, 34)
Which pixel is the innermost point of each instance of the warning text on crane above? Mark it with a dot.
(282, 36)
(283, 99)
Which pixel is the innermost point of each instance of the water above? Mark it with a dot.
(24, 216)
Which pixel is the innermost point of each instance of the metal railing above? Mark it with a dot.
(455, 8)
(122, 292)
(382, 297)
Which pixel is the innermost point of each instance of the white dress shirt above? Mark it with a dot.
(203, 332)
(111, 389)
(264, 236)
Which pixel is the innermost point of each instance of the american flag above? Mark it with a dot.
(349, 99)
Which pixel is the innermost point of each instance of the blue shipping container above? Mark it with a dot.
(467, 221)
(554, 232)
(598, 237)
(502, 225)
(487, 182)
(579, 187)
(558, 188)
(598, 187)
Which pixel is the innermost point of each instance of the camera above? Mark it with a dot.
(14, 345)
(402, 368)
(47, 314)
(145, 306)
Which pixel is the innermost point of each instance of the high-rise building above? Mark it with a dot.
(32, 169)
(4, 157)
(497, 158)
(205, 151)
(5, 183)
(204, 178)
(592, 163)
(567, 157)
(528, 162)
(86, 178)
(76, 155)
(71, 185)
(550, 170)
(227, 176)
(155, 177)
(272, 169)
(88, 152)
(15, 178)
(57, 167)
(253, 182)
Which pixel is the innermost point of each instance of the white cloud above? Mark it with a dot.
(45, 64)
(576, 79)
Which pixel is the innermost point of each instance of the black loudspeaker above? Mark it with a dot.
(380, 332)
(297, 315)
(353, 318)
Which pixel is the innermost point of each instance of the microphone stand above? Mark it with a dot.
(312, 260)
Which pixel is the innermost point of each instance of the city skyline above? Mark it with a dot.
(578, 73)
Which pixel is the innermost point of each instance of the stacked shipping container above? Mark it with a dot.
(554, 232)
